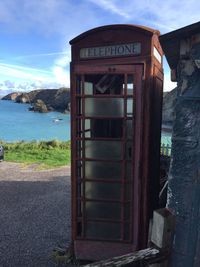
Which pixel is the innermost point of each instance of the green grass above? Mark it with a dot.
(47, 153)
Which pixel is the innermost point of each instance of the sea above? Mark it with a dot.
(17, 124)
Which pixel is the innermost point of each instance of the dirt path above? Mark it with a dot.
(34, 214)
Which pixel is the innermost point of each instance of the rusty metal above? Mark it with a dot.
(134, 162)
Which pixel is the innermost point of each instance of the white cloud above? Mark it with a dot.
(165, 15)
(21, 72)
(111, 6)
(61, 70)
(168, 84)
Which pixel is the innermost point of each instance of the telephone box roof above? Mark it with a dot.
(170, 42)
(139, 28)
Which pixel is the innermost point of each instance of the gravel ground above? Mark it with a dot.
(34, 214)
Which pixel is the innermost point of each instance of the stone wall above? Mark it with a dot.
(184, 175)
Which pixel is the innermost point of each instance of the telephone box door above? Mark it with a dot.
(106, 140)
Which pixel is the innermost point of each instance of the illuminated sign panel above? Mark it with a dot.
(111, 51)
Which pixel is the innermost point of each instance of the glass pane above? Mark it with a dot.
(127, 211)
(111, 150)
(129, 129)
(104, 84)
(127, 231)
(130, 85)
(102, 107)
(88, 86)
(100, 190)
(103, 210)
(88, 128)
(103, 230)
(111, 128)
(129, 107)
(129, 171)
(128, 192)
(129, 150)
(103, 170)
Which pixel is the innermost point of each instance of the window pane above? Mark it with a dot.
(129, 129)
(103, 230)
(111, 128)
(104, 84)
(100, 190)
(103, 170)
(103, 210)
(127, 211)
(102, 107)
(88, 86)
(130, 86)
(129, 151)
(103, 150)
(129, 171)
(88, 128)
(129, 107)
(127, 231)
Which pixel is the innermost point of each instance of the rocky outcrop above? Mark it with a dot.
(11, 96)
(169, 101)
(59, 100)
(44, 100)
(27, 97)
(40, 106)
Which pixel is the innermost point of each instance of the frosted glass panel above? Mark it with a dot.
(88, 128)
(103, 170)
(103, 210)
(88, 86)
(103, 150)
(129, 107)
(129, 129)
(129, 150)
(127, 211)
(128, 191)
(130, 86)
(103, 230)
(129, 171)
(100, 190)
(127, 231)
(110, 107)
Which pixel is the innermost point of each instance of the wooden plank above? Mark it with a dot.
(149, 255)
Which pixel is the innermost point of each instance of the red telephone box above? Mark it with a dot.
(116, 99)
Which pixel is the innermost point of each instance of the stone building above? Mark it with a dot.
(182, 50)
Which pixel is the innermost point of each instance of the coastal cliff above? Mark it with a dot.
(169, 101)
(43, 100)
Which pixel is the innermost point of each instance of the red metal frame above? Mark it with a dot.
(136, 71)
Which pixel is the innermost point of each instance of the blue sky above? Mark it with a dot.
(34, 49)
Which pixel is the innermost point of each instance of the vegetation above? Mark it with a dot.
(47, 153)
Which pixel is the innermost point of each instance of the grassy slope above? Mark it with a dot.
(49, 153)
